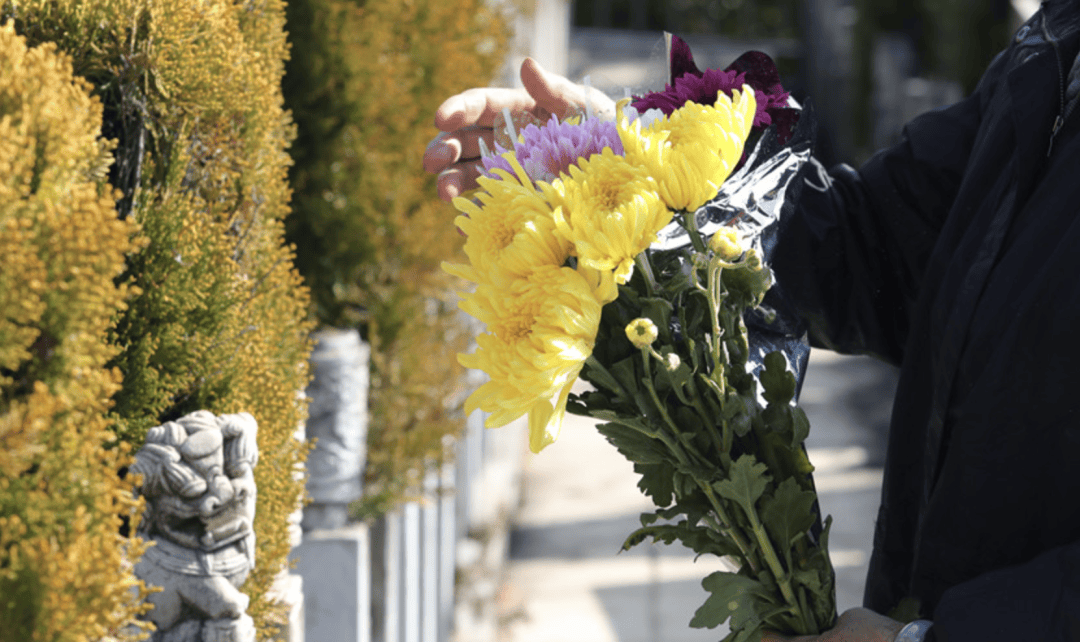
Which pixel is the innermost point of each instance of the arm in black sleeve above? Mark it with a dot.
(853, 256)
(1039, 600)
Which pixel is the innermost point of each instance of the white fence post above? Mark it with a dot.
(336, 567)
(386, 577)
(447, 550)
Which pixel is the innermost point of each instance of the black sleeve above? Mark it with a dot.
(853, 256)
(1039, 600)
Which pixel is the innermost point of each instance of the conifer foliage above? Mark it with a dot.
(362, 82)
(61, 562)
(209, 312)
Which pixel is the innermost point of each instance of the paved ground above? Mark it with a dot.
(566, 582)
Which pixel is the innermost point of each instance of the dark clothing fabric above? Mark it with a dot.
(956, 255)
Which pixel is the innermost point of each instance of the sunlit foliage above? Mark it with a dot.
(363, 81)
(215, 313)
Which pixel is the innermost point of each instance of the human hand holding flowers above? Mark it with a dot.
(855, 625)
(468, 117)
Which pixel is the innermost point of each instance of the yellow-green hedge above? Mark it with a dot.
(363, 82)
(62, 573)
(216, 316)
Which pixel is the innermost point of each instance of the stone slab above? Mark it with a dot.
(336, 569)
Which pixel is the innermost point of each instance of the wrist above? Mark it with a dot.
(914, 632)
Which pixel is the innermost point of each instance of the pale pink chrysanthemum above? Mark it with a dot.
(548, 151)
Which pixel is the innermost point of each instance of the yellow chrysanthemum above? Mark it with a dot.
(725, 244)
(691, 152)
(641, 332)
(540, 331)
(609, 210)
(509, 232)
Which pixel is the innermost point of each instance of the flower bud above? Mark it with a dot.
(641, 332)
(672, 362)
(725, 244)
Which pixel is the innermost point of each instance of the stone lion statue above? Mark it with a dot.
(196, 476)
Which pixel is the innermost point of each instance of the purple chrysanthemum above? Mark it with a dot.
(550, 150)
(699, 88)
(693, 85)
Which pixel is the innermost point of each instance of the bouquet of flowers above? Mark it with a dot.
(632, 253)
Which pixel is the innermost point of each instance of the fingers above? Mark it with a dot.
(448, 148)
(478, 107)
(550, 91)
(558, 95)
(458, 179)
(455, 157)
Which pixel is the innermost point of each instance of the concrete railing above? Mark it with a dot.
(427, 571)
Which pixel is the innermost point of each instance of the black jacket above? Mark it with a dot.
(956, 255)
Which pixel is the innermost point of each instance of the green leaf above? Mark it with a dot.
(674, 380)
(809, 578)
(778, 418)
(659, 312)
(625, 372)
(800, 426)
(695, 358)
(602, 379)
(748, 281)
(688, 421)
(667, 533)
(732, 596)
(685, 485)
(632, 444)
(656, 482)
(777, 380)
(788, 514)
(745, 483)
(741, 425)
(824, 609)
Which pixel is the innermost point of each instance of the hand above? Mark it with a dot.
(855, 625)
(469, 116)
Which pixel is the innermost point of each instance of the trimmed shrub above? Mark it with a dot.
(62, 570)
(216, 316)
(362, 82)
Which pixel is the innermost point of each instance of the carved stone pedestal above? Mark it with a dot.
(337, 420)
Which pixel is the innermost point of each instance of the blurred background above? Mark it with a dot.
(867, 65)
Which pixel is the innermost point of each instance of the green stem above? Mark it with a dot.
(783, 579)
(715, 344)
(728, 527)
(664, 436)
(690, 223)
(810, 625)
(641, 261)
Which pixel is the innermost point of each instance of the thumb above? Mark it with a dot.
(551, 92)
(557, 94)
